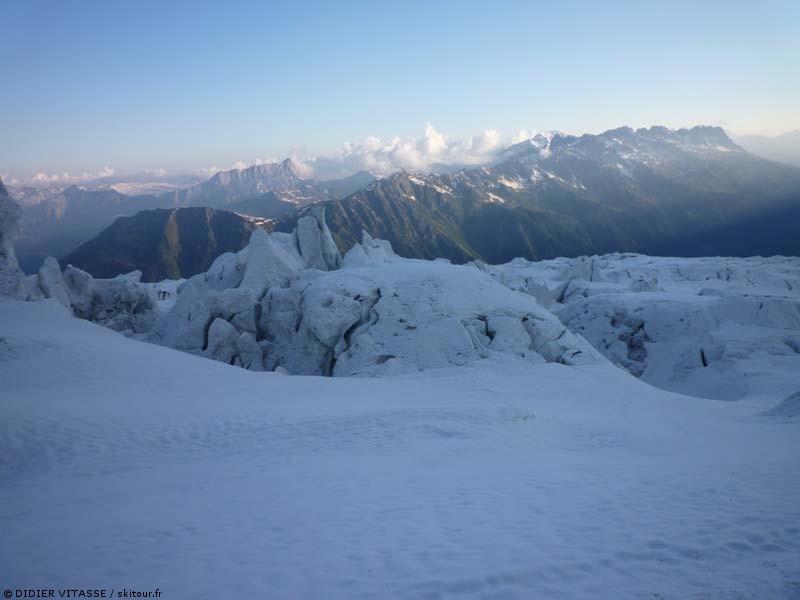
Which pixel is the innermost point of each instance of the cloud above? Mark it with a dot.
(65, 177)
(521, 136)
(432, 150)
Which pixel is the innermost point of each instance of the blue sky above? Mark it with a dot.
(184, 86)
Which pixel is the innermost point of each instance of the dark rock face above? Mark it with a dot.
(163, 244)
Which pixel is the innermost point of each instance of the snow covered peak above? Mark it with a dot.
(291, 179)
(624, 147)
(297, 168)
(536, 145)
(287, 171)
(709, 137)
(700, 135)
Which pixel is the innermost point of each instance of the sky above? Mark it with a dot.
(93, 86)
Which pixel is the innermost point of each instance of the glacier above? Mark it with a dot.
(715, 327)
(569, 428)
(130, 464)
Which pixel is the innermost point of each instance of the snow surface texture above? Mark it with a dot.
(124, 464)
(284, 303)
(722, 328)
(789, 407)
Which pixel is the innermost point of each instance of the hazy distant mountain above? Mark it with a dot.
(347, 185)
(57, 220)
(130, 184)
(281, 202)
(31, 195)
(289, 181)
(783, 148)
(60, 223)
(164, 243)
(655, 190)
(658, 191)
(146, 183)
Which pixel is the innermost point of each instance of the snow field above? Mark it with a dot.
(124, 463)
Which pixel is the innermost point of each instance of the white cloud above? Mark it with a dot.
(65, 177)
(433, 149)
(43, 178)
(105, 172)
(521, 136)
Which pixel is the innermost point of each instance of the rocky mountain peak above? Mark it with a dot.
(297, 168)
(710, 136)
(535, 145)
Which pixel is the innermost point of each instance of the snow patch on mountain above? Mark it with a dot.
(495, 198)
(513, 184)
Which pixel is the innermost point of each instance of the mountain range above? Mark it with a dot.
(61, 222)
(686, 192)
(289, 181)
(783, 148)
(57, 220)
